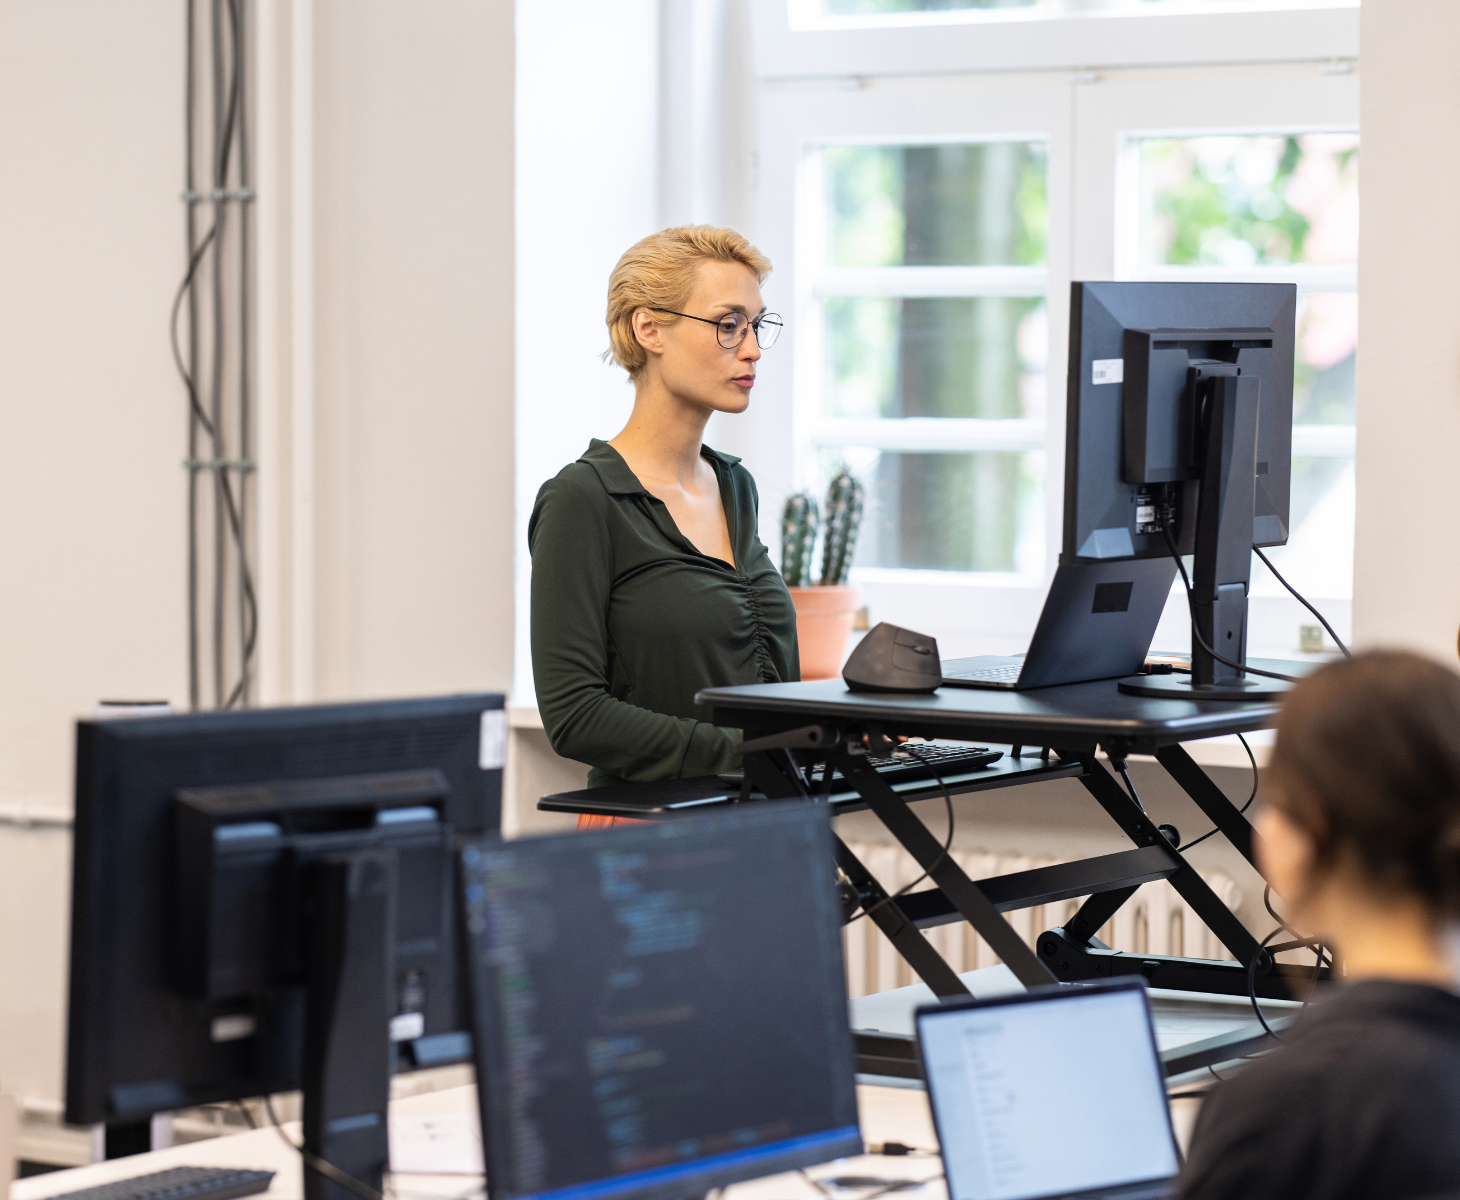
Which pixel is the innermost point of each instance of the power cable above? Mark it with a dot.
(1252, 758)
(942, 854)
(1196, 636)
(1298, 596)
(327, 1169)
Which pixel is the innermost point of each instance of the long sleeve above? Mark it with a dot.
(572, 652)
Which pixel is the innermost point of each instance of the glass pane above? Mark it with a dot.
(1246, 201)
(948, 205)
(964, 357)
(981, 511)
(1328, 344)
(1319, 557)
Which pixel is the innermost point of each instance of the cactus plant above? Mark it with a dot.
(843, 523)
(799, 520)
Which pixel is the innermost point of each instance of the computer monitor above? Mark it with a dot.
(660, 1010)
(1179, 440)
(263, 901)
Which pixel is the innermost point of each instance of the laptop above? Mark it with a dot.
(1098, 622)
(1053, 1093)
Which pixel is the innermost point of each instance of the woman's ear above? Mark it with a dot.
(647, 331)
(1287, 855)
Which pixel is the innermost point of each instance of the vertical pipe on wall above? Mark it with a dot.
(189, 199)
(301, 347)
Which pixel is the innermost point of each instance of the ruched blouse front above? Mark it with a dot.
(630, 620)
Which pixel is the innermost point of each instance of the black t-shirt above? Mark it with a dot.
(1363, 1101)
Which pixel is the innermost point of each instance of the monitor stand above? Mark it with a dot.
(1223, 560)
(347, 1050)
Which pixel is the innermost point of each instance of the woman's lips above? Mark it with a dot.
(745, 381)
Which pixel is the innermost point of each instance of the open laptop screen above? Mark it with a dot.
(1048, 1094)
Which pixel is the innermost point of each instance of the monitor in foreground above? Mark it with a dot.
(262, 901)
(659, 1010)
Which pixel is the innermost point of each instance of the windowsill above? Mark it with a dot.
(961, 579)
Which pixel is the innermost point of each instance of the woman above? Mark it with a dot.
(649, 580)
(1361, 838)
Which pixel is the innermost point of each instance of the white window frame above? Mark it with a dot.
(1048, 40)
(798, 119)
(1112, 117)
(937, 83)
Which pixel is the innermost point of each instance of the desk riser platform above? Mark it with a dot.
(1078, 722)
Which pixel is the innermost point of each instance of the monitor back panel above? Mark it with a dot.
(1099, 510)
(1098, 621)
(661, 1009)
(135, 1042)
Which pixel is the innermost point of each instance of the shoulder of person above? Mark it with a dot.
(575, 496)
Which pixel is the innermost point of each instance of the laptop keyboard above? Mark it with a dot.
(1009, 674)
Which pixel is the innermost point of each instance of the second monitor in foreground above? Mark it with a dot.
(659, 1010)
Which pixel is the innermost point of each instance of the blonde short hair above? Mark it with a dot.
(658, 272)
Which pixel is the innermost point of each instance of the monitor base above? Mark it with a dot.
(1180, 687)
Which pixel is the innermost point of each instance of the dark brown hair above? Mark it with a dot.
(1368, 760)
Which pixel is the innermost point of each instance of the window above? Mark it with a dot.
(928, 218)
(1277, 207)
(928, 288)
(833, 13)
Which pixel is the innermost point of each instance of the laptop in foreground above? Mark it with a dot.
(1052, 1094)
(1097, 623)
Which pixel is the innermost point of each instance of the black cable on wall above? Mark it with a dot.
(218, 290)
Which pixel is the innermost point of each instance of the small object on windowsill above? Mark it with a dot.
(1310, 639)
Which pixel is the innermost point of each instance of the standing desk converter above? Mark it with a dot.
(790, 726)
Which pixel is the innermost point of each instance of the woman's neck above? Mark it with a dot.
(1396, 940)
(663, 436)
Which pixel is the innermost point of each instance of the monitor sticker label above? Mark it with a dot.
(1109, 370)
(493, 750)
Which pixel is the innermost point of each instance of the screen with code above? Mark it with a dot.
(659, 1009)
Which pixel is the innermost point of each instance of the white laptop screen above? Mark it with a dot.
(1048, 1097)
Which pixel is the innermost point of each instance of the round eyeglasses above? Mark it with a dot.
(732, 327)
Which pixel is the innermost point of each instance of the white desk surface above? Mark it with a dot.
(887, 1115)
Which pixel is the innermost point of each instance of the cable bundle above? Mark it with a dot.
(217, 293)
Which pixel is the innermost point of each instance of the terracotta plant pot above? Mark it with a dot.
(824, 617)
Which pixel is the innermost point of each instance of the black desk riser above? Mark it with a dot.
(790, 724)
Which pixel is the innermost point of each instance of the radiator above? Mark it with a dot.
(1153, 921)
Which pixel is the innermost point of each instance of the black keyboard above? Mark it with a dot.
(947, 758)
(179, 1183)
(943, 757)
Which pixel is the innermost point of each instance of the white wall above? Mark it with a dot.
(1407, 555)
(414, 356)
(411, 268)
(92, 430)
(587, 189)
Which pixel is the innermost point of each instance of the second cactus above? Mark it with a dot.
(843, 522)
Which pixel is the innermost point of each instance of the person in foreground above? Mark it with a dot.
(649, 579)
(1361, 839)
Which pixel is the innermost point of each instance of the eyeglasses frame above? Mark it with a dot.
(754, 325)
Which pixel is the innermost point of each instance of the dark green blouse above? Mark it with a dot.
(629, 620)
